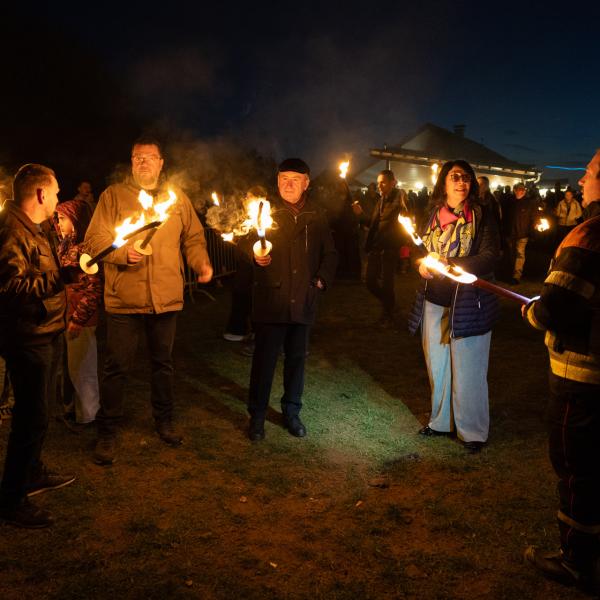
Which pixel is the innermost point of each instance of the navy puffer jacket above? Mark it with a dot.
(473, 311)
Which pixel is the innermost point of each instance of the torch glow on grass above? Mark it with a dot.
(158, 212)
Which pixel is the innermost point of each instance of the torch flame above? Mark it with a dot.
(542, 225)
(227, 237)
(409, 227)
(344, 166)
(262, 221)
(145, 199)
(127, 227)
(450, 271)
(156, 211)
(215, 199)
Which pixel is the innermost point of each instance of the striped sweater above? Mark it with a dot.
(569, 306)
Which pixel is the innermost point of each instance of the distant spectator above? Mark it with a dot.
(568, 214)
(85, 194)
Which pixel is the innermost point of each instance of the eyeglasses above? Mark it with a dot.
(140, 158)
(456, 177)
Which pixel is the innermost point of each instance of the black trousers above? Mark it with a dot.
(381, 270)
(33, 374)
(574, 433)
(122, 334)
(270, 339)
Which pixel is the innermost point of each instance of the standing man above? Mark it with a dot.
(569, 311)
(568, 214)
(287, 284)
(521, 221)
(32, 319)
(143, 293)
(383, 244)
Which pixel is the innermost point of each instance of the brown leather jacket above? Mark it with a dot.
(32, 295)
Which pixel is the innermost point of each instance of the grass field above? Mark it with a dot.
(361, 508)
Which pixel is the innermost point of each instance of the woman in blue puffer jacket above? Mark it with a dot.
(456, 319)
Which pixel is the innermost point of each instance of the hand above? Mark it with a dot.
(263, 261)
(357, 209)
(73, 330)
(523, 310)
(206, 273)
(133, 256)
(424, 272)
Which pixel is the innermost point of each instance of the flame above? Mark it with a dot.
(156, 211)
(343, 167)
(434, 172)
(451, 271)
(127, 227)
(265, 216)
(227, 237)
(542, 225)
(215, 199)
(409, 227)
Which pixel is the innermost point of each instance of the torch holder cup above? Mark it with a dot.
(146, 250)
(259, 250)
(83, 263)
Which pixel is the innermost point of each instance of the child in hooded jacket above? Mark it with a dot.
(84, 297)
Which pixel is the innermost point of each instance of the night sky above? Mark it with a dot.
(298, 78)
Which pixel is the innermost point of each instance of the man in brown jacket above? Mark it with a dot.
(143, 293)
(32, 319)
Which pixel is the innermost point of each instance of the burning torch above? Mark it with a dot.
(432, 261)
(262, 247)
(343, 167)
(161, 215)
(125, 231)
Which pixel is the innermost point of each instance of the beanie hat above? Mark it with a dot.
(294, 164)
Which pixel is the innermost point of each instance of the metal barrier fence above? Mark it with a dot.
(222, 258)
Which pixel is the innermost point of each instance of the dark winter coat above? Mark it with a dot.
(303, 250)
(522, 217)
(385, 232)
(473, 311)
(32, 294)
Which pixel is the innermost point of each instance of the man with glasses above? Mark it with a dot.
(143, 293)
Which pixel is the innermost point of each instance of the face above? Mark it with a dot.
(590, 184)
(50, 198)
(569, 196)
(85, 189)
(292, 185)
(385, 185)
(65, 225)
(146, 165)
(458, 186)
(520, 193)
(483, 185)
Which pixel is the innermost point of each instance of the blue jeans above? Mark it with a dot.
(457, 369)
(33, 373)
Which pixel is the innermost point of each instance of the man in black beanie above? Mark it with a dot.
(287, 284)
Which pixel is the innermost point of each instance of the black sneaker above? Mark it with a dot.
(256, 430)
(27, 515)
(105, 450)
(168, 434)
(48, 480)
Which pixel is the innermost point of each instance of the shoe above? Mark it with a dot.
(74, 426)
(248, 349)
(295, 426)
(168, 434)
(553, 566)
(515, 281)
(233, 337)
(104, 453)
(428, 432)
(256, 430)
(473, 447)
(48, 480)
(27, 515)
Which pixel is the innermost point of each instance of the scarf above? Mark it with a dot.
(450, 232)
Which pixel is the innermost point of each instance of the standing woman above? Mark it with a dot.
(456, 319)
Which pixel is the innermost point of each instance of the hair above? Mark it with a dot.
(438, 196)
(519, 186)
(388, 173)
(147, 140)
(30, 178)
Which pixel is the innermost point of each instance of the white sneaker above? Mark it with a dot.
(232, 337)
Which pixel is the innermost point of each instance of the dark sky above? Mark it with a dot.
(317, 80)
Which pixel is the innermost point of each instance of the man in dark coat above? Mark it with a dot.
(32, 319)
(287, 284)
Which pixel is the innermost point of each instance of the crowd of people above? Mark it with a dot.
(49, 302)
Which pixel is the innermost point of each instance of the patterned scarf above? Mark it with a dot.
(450, 232)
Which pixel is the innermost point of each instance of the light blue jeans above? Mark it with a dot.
(457, 369)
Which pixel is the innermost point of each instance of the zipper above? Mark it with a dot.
(453, 306)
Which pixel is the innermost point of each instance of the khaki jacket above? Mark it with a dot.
(156, 283)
